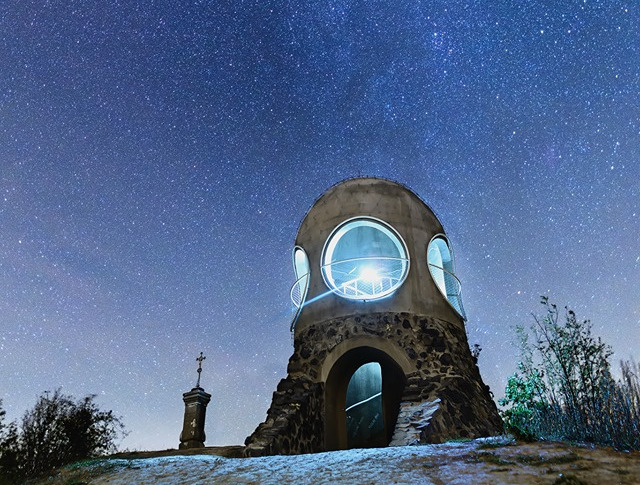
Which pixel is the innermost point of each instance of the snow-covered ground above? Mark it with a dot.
(477, 462)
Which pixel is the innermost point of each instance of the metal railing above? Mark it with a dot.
(385, 282)
(298, 293)
(384, 276)
(452, 288)
(299, 289)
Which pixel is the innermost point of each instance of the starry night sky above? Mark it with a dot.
(157, 157)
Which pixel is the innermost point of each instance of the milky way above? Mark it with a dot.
(157, 157)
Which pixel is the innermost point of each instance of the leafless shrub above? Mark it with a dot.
(564, 389)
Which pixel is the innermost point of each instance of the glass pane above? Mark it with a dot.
(436, 265)
(301, 267)
(441, 266)
(364, 260)
(362, 241)
(365, 421)
(301, 263)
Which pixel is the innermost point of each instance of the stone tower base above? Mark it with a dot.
(427, 370)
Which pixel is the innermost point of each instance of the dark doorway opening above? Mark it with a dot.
(362, 399)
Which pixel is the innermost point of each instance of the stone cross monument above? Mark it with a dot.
(195, 408)
(380, 352)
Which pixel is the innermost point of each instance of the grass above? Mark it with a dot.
(554, 460)
(82, 472)
(460, 440)
(492, 445)
(493, 459)
(568, 480)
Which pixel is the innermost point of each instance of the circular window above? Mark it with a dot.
(364, 259)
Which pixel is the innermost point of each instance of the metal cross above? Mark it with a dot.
(199, 360)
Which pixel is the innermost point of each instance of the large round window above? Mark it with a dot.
(364, 259)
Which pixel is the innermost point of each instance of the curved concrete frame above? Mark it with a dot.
(378, 343)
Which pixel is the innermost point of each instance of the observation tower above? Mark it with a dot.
(380, 355)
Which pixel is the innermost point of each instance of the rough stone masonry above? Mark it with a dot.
(445, 370)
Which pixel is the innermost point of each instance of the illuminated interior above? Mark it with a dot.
(364, 259)
(363, 407)
(440, 260)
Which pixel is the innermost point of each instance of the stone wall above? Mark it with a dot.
(413, 418)
(294, 420)
(438, 365)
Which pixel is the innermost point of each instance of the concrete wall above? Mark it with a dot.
(408, 215)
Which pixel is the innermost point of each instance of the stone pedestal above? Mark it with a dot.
(195, 408)
(434, 393)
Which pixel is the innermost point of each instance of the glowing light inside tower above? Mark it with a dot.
(369, 274)
(364, 259)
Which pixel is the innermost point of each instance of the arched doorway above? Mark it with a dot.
(362, 399)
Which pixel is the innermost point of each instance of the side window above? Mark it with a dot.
(301, 286)
(301, 268)
(441, 266)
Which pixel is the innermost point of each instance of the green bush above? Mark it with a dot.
(57, 431)
(525, 402)
(563, 388)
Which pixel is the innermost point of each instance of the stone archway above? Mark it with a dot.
(393, 382)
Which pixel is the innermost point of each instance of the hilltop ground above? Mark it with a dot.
(483, 461)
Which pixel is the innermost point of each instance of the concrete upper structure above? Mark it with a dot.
(412, 220)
